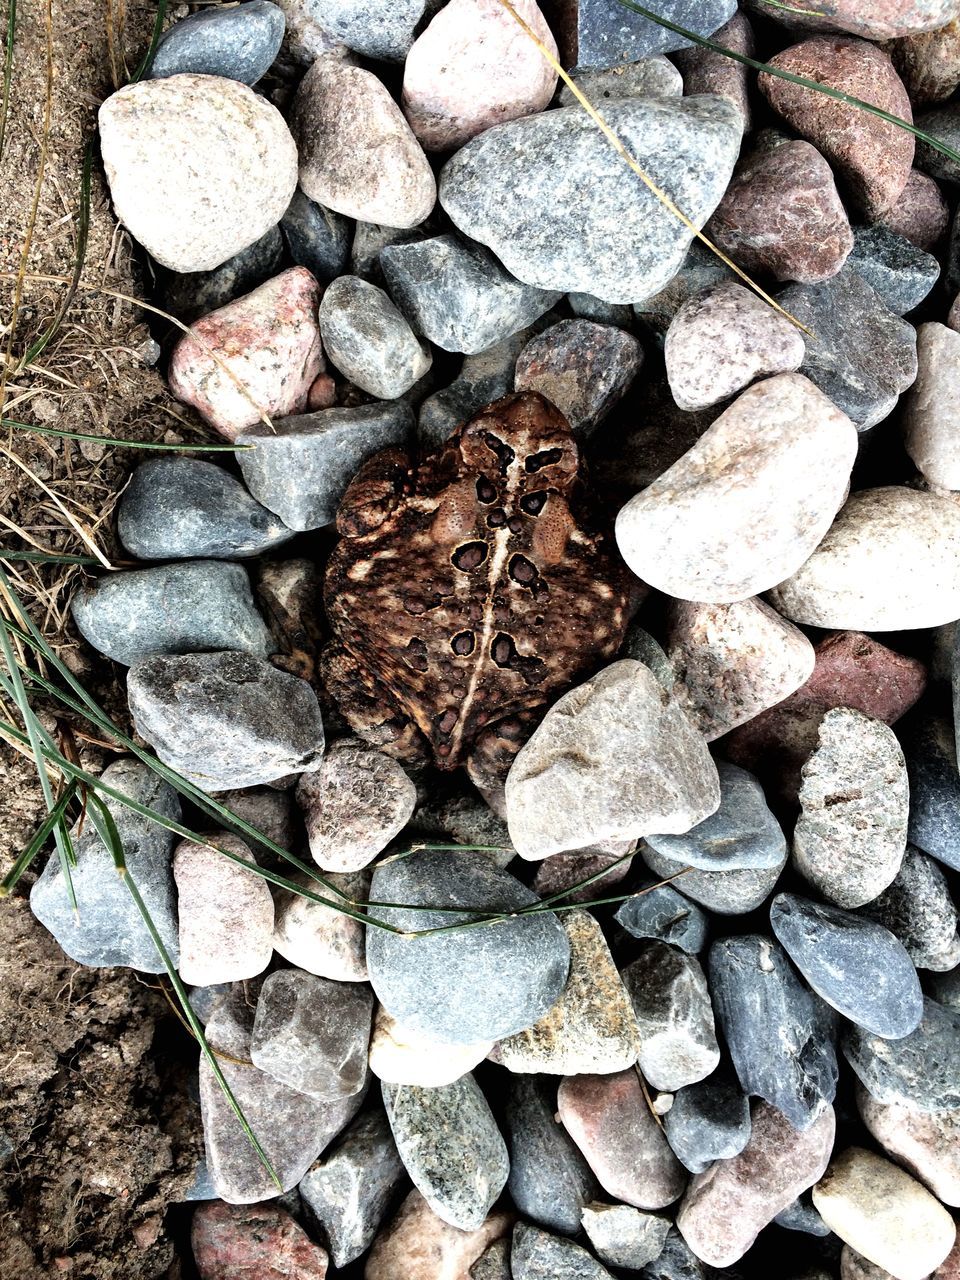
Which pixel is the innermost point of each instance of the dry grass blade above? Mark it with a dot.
(9, 44)
(82, 533)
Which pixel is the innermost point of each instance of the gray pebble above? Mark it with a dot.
(918, 909)
(678, 1041)
(922, 1069)
(196, 293)
(653, 77)
(368, 239)
(369, 341)
(641, 645)
(537, 1255)
(661, 912)
(901, 273)
(317, 238)
(929, 745)
(607, 37)
(802, 1216)
(370, 27)
(729, 893)
(708, 1121)
(624, 1236)
(494, 1262)
(699, 271)
(591, 308)
(483, 378)
(237, 43)
(677, 1261)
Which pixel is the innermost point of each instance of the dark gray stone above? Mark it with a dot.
(471, 985)
(901, 273)
(677, 1261)
(609, 35)
(862, 355)
(237, 43)
(550, 1181)
(678, 1041)
(729, 893)
(458, 295)
(369, 341)
(348, 1192)
(700, 270)
(317, 238)
(494, 1262)
(226, 720)
(312, 1033)
(743, 834)
(110, 929)
(918, 909)
(661, 912)
(943, 123)
(182, 508)
(780, 1035)
(557, 205)
(929, 746)
(201, 1188)
(301, 469)
(640, 644)
(945, 988)
(922, 1069)
(708, 1121)
(197, 293)
(802, 1216)
(172, 608)
(591, 308)
(371, 27)
(855, 964)
(537, 1255)
(450, 1146)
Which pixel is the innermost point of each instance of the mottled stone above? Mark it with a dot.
(493, 1263)
(192, 294)
(199, 167)
(610, 1121)
(368, 340)
(652, 77)
(561, 210)
(725, 892)
(451, 1147)
(900, 273)
(252, 1242)
(301, 468)
(601, 37)
(676, 1262)
(884, 1214)
(708, 1121)
(921, 1069)
(918, 909)
(254, 357)
(931, 406)
(537, 1255)
(779, 1034)
(930, 746)
(417, 1245)
(882, 20)
(639, 763)
(943, 123)
(678, 1042)
(754, 495)
(921, 214)
(873, 156)
(226, 720)
(226, 912)
(659, 911)
(319, 938)
(624, 1236)
(358, 155)
(726, 1207)
(929, 61)
(239, 43)
(401, 1056)
(377, 31)
(306, 38)
(585, 369)
(706, 71)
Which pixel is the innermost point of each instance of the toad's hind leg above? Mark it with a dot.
(368, 709)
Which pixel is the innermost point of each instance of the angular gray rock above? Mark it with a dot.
(918, 909)
(483, 377)
(226, 720)
(317, 238)
(678, 1041)
(659, 911)
(728, 893)
(930, 747)
(239, 43)
(922, 1069)
(649, 77)
(368, 340)
(677, 1261)
(709, 1121)
(624, 1236)
(537, 1255)
(901, 274)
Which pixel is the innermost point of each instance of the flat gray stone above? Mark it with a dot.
(678, 1041)
(317, 238)
(537, 1255)
(709, 1121)
(921, 1069)
(917, 909)
(728, 893)
(368, 340)
(608, 37)
(660, 912)
(238, 43)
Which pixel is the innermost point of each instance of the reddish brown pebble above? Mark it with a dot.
(253, 1242)
(417, 1245)
(322, 393)
(873, 156)
(921, 214)
(707, 72)
(929, 63)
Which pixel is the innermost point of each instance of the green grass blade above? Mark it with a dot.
(39, 839)
(9, 556)
(154, 41)
(116, 443)
(9, 43)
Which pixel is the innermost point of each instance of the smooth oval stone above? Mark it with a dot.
(921, 214)
(856, 965)
(927, 1143)
(561, 210)
(239, 43)
(890, 562)
(678, 1040)
(401, 1056)
(884, 20)
(931, 405)
(199, 167)
(921, 1069)
(173, 608)
(368, 340)
(321, 939)
(476, 984)
(659, 911)
(179, 508)
(754, 495)
(709, 1121)
(728, 893)
(900, 273)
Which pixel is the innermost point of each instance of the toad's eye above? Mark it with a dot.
(546, 458)
(486, 492)
(531, 504)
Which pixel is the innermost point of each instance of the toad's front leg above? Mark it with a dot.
(368, 708)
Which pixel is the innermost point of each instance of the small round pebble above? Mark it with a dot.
(368, 340)
(659, 911)
(239, 43)
(709, 1121)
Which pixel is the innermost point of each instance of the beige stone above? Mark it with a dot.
(417, 1245)
(925, 1142)
(321, 939)
(931, 408)
(401, 1056)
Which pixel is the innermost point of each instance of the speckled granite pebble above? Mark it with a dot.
(239, 43)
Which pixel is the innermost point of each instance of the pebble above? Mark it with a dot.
(585, 369)
(610, 1121)
(401, 1056)
(624, 1236)
(780, 1035)
(550, 1182)
(306, 39)
(322, 939)
(110, 930)
(358, 155)
(301, 468)
(860, 353)
(802, 1216)
(653, 77)
(942, 123)
(873, 156)
(882, 21)
(354, 805)
(705, 71)
(258, 355)
(709, 1121)
(678, 1041)
(451, 1147)
(474, 984)
(638, 763)
(884, 1214)
(537, 1255)
(186, 162)
(493, 1263)
(348, 1192)
(927, 1143)
(930, 746)
(659, 911)
(591, 1030)
(417, 1245)
(922, 1069)
(182, 508)
(193, 294)
(607, 38)
(377, 31)
(226, 912)
(312, 1034)
(854, 796)
(890, 562)
(900, 273)
(782, 214)
(561, 210)
(317, 238)
(723, 339)
(749, 502)
(458, 295)
(701, 269)
(724, 892)
(474, 67)
(928, 62)
(917, 909)
(676, 1262)
(173, 608)
(369, 341)
(252, 1242)
(726, 1207)
(733, 661)
(854, 964)
(239, 43)
(921, 214)
(931, 405)
(225, 720)
(369, 238)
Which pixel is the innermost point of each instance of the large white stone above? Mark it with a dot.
(931, 408)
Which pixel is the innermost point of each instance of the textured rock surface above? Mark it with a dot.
(318, 938)
(417, 1245)
(659, 911)
(678, 1041)
(922, 1069)
(252, 1242)
(238, 43)
(882, 21)
(929, 742)
(725, 892)
(921, 214)
(199, 167)
(538, 1255)
(606, 38)
(928, 62)
(652, 77)
(317, 238)
(931, 406)
(583, 368)
(368, 340)
(639, 764)
(943, 123)
(705, 71)
(901, 273)
(926, 1142)
(623, 1236)
(401, 1056)
(918, 909)
(377, 31)
(754, 495)
(708, 1121)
